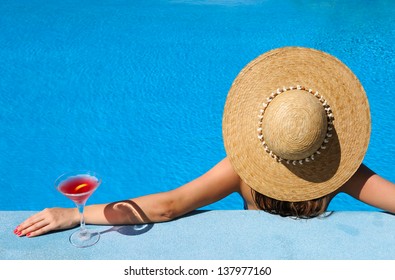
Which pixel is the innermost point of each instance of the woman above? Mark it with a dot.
(289, 149)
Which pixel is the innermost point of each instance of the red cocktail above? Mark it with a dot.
(78, 187)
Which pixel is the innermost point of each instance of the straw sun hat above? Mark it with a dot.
(296, 124)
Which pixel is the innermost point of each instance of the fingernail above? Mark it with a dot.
(15, 231)
(28, 234)
(19, 233)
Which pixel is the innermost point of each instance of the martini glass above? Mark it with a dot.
(78, 186)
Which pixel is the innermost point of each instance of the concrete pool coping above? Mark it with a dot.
(216, 235)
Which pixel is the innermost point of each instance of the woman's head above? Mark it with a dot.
(296, 126)
(300, 209)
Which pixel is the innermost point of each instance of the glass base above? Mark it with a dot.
(84, 238)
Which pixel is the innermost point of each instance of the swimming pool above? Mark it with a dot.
(135, 89)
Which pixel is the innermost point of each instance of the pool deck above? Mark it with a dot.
(216, 235)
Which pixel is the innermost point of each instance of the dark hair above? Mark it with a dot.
(301, 209)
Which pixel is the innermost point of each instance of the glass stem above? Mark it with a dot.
(82, 220)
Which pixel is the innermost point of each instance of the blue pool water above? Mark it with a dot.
(135, 89)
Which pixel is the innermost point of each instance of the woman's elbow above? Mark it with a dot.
(165, 211)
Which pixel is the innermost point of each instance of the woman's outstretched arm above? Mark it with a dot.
(212, 186)
(372, 189)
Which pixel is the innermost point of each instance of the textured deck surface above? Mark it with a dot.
(221, 235)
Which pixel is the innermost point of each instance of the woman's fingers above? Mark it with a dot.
(36, 228)
(36, 231)
(21, 229)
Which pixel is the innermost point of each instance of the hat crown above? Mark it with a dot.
(294, 125)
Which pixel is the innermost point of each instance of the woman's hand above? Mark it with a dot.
(48, 220)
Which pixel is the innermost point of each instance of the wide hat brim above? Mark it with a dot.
(312, 69)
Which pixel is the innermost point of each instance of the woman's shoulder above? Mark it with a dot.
(247, 194)
(371, 188)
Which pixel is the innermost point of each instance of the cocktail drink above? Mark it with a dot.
(78, 187)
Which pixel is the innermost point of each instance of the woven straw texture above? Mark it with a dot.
(346, 149)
